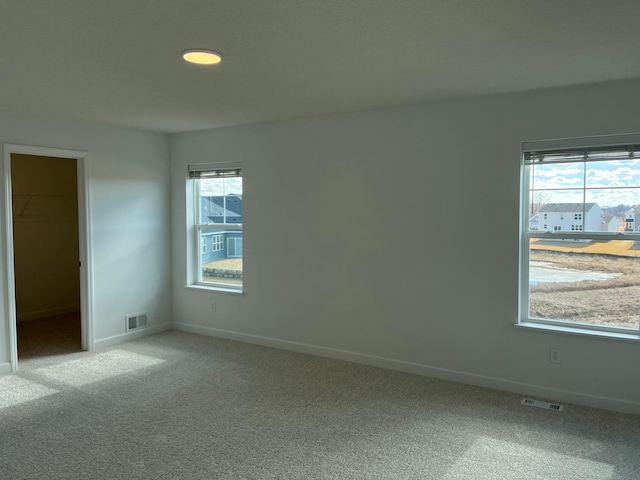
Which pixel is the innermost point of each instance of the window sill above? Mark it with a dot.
(634, 337)
(216, 289)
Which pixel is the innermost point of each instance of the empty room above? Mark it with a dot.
(439, 277)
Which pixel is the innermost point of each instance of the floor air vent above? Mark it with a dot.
(135, 321)
(540, 404)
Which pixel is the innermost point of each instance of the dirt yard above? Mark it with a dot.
(225, 264)
(612, 302)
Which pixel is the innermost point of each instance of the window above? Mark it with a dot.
(217, 243)
(217, 204)
(234, 246)
(586, 278)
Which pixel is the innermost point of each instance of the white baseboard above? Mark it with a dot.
(5, 368)
(49, 312)
(125, 337)
(541, 392)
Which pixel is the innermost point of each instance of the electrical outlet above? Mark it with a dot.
(554, 355)
(213, 307)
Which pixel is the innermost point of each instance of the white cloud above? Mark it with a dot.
(620, 177)
(612, 178)
(623, 162)
(558, 170)
(220, 186)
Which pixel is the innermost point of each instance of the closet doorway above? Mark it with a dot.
(48, 246)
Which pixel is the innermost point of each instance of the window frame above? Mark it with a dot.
(527, 233)
(198, 230)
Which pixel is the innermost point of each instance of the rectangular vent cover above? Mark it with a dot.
(136, 321)
(540, 404)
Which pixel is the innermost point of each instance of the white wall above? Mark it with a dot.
(329, 262)
(129, 214)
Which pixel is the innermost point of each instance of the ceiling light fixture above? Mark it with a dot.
(202, 57)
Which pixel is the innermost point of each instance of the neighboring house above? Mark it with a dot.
(221, 209)
(611, 223)
(632, 219)
(221, 244)
(568, 217)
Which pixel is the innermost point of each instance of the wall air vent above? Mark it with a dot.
(540, 404)
(135, 321)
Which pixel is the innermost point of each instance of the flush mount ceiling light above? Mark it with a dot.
(202, 57)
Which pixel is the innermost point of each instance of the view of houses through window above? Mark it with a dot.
(218, 195)
(581, 260)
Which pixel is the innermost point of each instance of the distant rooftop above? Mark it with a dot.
(566, 207)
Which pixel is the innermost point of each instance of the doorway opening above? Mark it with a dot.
(47, 253)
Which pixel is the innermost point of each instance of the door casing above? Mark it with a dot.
(84, 237)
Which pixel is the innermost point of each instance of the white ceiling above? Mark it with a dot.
(118, 61)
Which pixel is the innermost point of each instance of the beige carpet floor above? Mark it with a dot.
(183, 406)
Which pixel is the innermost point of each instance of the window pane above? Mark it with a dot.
(610, 209)
(220, 209)
(556, 210)
(603, 206)
(220, 200)
(613, 174)
(557, 176)
(589, 281)
(222, 263)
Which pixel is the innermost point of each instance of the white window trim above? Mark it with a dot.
(195, 229)
(561, 326)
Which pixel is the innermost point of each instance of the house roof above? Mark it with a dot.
(566, 207)
(214, 206)
(119, 62)
(632, 210)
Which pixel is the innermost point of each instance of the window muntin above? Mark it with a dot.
(583, 272)
(218, 219)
